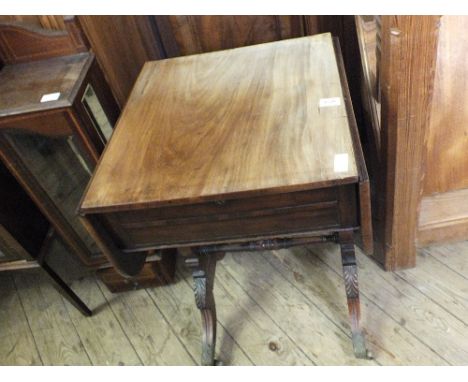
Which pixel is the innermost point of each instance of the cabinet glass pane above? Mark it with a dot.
(97, 114)
(61, 171)
(10, 249)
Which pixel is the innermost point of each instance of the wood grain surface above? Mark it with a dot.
(122, 44)
(183, 35)
(409, 52)
(27, 19)
(17, 345)
(228, 123)
(447, 141)
(23, 85)
(274, 304)
(322, 286)
(176, 304)
(305, 324)
(50, 322)
(150, 334)
(111, 346)
(423, 314)
(22, 42)
(443, 213)
(443, 217)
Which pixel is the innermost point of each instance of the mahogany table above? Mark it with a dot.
(253, 148)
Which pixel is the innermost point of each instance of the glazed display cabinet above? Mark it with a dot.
(56, 115)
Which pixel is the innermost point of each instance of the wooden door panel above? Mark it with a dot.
(122, 45)
(183, 35)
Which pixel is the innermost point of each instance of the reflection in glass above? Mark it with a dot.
(10, 250)
(61, 172)
(96, 114)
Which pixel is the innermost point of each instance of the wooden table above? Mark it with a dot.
(253, 148)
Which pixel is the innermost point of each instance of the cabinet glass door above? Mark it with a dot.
(59, 168)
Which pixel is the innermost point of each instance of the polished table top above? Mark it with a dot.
(268, 118)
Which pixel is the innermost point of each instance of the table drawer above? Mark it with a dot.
(286, 213)
(228, 206)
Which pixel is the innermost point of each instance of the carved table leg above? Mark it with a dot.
(203, 268)
(348, 258)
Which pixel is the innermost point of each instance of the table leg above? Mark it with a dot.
(203, 268)
(348, 258)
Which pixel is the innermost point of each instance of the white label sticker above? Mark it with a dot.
(340, 163)
(50, 97)
(328, 102)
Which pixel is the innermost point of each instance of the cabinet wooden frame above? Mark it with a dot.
(21, 42)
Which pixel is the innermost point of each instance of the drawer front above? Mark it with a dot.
(232, 206)
(269, 215)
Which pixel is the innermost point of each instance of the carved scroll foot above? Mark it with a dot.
(352, 293)
(203, 268)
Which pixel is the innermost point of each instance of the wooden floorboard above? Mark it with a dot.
(389, 341)
(317, 337)
(263, 339)
(17, 346)
(103, 338)
(150, 334)
(54, 333)
(177, 304)
(454, 256)
(430, 276)
(283, 307)
(428, 322)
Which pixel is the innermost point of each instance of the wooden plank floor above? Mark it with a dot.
(283, 307)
